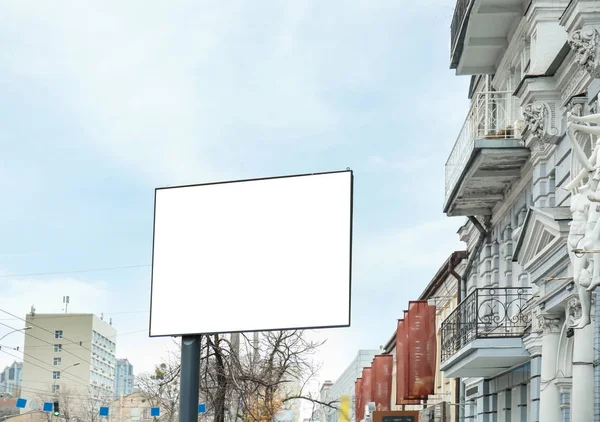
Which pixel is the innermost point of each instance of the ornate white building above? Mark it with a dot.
(521, 170)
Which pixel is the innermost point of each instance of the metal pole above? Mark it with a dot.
(190, 378)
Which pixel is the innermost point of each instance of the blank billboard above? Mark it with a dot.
(252, 255)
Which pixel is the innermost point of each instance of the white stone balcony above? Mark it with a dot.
(479, 34)
(487, 156)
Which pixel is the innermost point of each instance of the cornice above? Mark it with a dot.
(580, 13)
(533, 344)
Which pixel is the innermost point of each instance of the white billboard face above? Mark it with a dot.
(255, 255)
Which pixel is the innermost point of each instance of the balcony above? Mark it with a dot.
(479, 34)
(483, 335)
(487, 156)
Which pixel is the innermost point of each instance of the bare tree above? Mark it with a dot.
(161, 388)
(247, 380)
(89, 403)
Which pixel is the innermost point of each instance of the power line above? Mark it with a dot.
(91, 270)
(64, 350)
(36, 365)
(54, 368)
(76, 315)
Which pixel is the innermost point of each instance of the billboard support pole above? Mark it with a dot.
(189, 388)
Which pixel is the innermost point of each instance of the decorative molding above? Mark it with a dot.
(573, 309)
(536, 315)
(550, 324)
(586, 45)
(533, 344)
(564, 384)
(575, 85)
(539, 119)
(576, 105)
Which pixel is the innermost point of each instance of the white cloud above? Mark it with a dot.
(421, 245)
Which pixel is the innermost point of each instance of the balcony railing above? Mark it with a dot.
(460, 12)
(495, 312)
(492, 115)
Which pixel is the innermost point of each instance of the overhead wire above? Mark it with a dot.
(90, 270)
(54, 368)
(75, 315)
(49, 343)
(36, 365)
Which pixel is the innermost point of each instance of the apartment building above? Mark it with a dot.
(11, 378)
(124, 378)
(68, 355)
(344, 386)
(521, 341)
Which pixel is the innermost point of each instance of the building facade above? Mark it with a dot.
(67, 356)
(344, 386)
(11, 379)
(136, 407)
(124, 378)
(523, 173)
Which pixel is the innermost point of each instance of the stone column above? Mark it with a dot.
(549, 392)
(582, 391)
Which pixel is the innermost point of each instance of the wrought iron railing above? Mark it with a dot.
(492, 115)
(486, 313)
(460, 12)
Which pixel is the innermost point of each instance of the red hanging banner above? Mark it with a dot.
(367, 379)
(358, 416)
(381, 384)
(421, 350)
(401, 362)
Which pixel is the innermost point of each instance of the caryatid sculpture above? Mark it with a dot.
(584, 231)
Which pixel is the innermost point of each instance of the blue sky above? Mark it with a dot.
(100, 106)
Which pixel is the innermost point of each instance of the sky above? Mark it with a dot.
(100, 105)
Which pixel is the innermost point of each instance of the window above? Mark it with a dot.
(55, 375)
(57, 348)
(55, 388)
(57, 361)
(58, 334)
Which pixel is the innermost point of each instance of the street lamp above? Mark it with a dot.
(62, 372)
(15, 331)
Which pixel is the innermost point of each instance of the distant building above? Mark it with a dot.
(344, 385)
(137, 407)
(124, 378)
(11, 378)
(67, 355)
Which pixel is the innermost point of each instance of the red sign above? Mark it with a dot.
(419, 326)
(381, 384)
(401, 362)
(358, 407)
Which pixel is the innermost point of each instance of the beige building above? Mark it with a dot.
(136, 407)
(70, 357)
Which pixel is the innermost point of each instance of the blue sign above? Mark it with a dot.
(21, 403)
(48, 406)
(202, 408)
(155, 411)
(104, 411)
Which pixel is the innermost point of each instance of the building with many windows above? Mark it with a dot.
(344, 386)
(11, 378)
(124, 378)
(69, 355)
(523, 172)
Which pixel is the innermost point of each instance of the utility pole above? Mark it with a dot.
(235, 351)
(190, 378)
